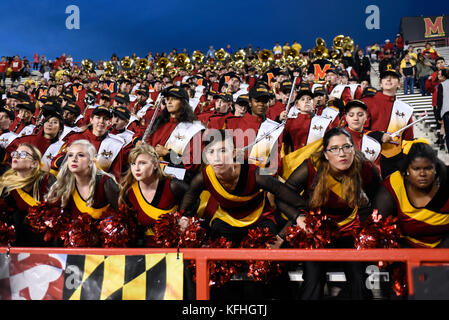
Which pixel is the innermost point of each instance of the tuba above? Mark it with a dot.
(240, 55)
(142, 65)
(222, 55)
(88, 65)
(181, 60)
(266, 56)
(320, 51)
(127, 63)
(163, 63)
(198, 56)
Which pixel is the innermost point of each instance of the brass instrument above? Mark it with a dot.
(266, 56)
(240, 55)
(142, 65)
(198, 56)
(109, 68)
(222, 55)
(290, 55)
(181, 60)
(127, 63)
(320, 51)
(348, 44)
(173, 72)
(88, 65)
(163, 63)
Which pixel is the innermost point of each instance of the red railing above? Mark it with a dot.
(412, 257)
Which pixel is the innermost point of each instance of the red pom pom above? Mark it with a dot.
(376, 232)
(259, 269)
(119, 228)
(82, 231)
(167, 230)
(49, 220)
(319, 232)
(193, 236)
(7, 230)
(222, 271)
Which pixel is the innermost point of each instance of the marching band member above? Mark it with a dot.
(46, 141)
(6, 118)
(23, 186)
(70, 113)
(149, 191)
(367, 143)
(176, 134)
(108, 146)
(417, 195)
(274, 112)
(388, 114)
(253, 125)
(119, 123)
(337, 180)
(303, 127)
(222, 110)
(24, 123)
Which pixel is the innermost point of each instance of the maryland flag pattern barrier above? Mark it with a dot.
(25, 276)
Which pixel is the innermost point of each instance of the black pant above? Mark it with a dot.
(314, 275)
(446, 127)
(219, 228)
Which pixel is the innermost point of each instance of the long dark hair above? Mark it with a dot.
(186, 115)
(351, 180)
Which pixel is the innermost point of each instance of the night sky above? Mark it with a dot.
(140, 26)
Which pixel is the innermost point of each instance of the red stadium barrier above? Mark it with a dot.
(412, 257)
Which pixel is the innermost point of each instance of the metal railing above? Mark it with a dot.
(202, 256)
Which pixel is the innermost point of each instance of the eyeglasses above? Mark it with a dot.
(347, 148)
(20, 154)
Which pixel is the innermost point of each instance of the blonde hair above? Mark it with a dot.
(10, 180)
(129, 179)
(65, 184)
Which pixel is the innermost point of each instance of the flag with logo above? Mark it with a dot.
(26, 276)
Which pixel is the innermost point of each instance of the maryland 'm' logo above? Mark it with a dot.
(320, 73)
(434, 29)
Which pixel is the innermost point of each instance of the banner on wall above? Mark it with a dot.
(26, 276)
(424, 28)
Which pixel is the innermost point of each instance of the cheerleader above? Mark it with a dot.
(149, 191)
(338, 180)
(240, 191)
(81, 187)
(417, 196)
(22, 187)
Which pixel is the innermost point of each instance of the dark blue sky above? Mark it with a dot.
(125, 27)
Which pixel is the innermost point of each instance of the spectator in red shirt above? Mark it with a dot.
(3, 67)
(388, 45)
(399, 42)
(17, 67)
(36, 61)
